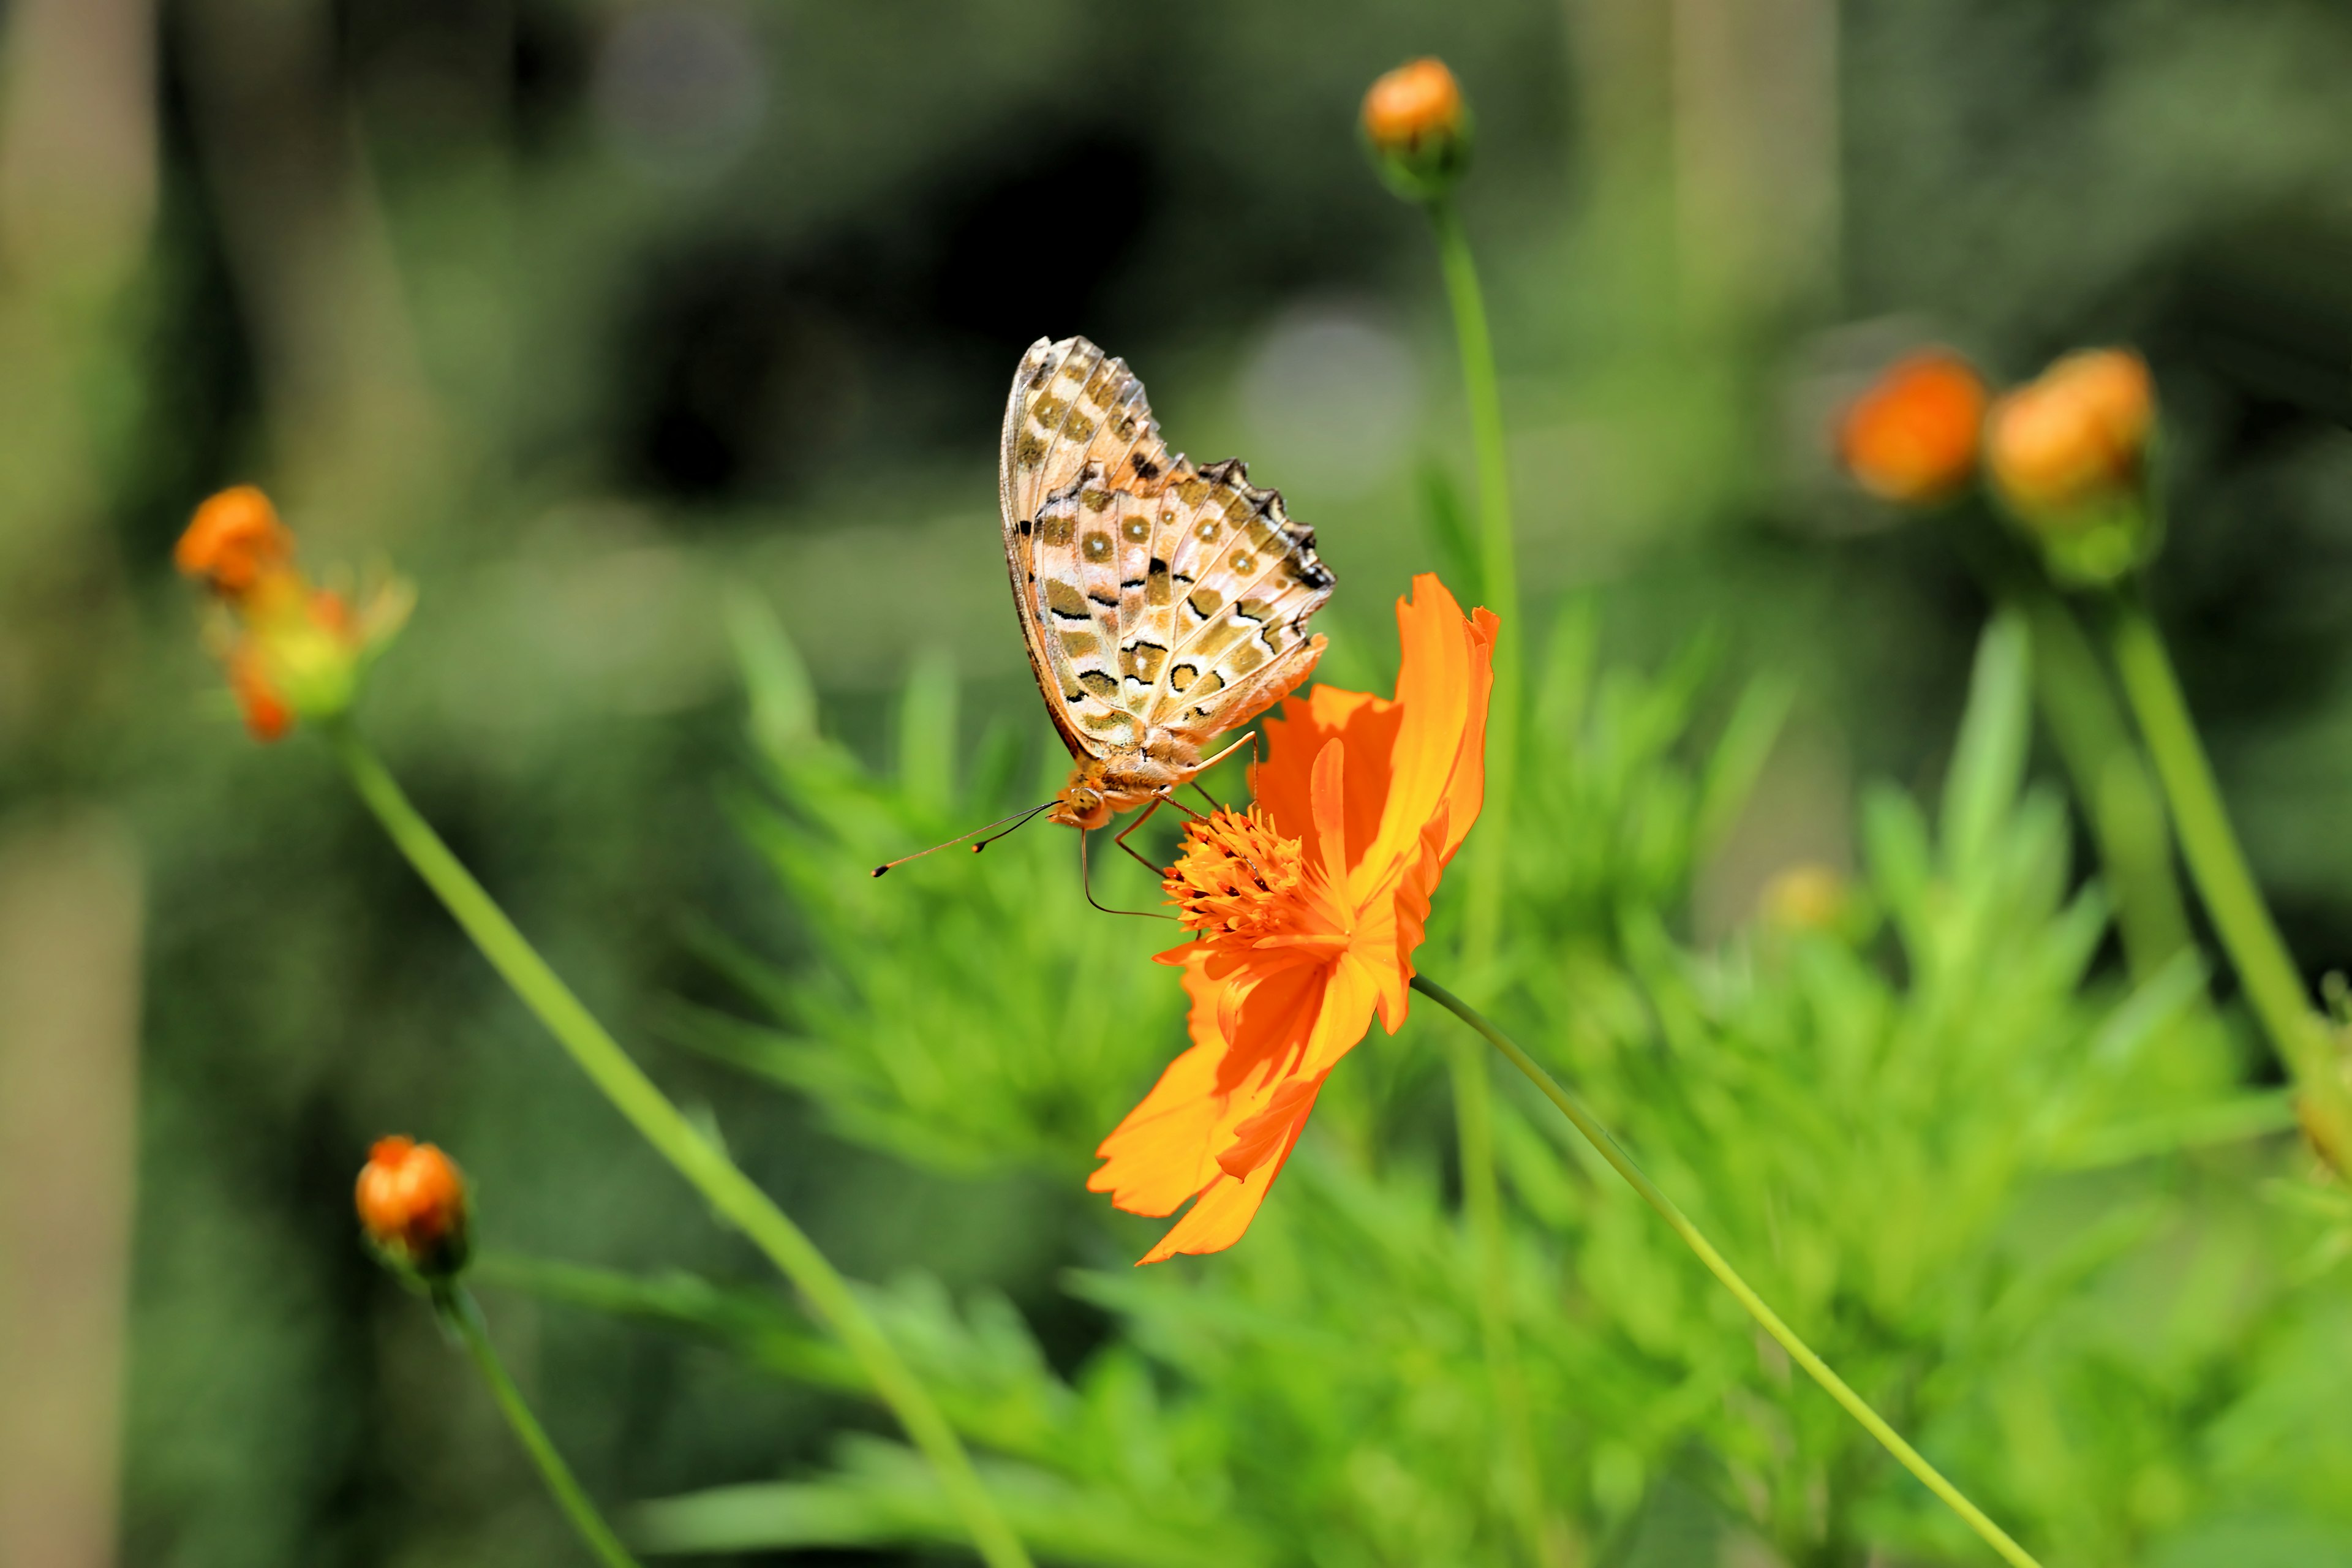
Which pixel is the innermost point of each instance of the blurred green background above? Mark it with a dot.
(598, 317)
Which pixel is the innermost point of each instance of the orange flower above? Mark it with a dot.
(1913, 437)
(2074, 437)
(234, 542)
(412, 1204)
(1307, 909)
(292, 650)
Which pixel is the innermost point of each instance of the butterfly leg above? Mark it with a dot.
(1086, 885)
(1146, 816)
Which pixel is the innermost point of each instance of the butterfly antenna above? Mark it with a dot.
(1025, 815)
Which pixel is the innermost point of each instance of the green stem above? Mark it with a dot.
(1799, 1351)
(456, 1306)
(729, 1192)
(1482, 1204)
(2112, 780)
(1498, 572)
(2272, 983)
(1498, 575)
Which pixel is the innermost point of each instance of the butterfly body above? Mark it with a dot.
(1162, 603)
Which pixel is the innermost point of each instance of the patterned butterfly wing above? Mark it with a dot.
(1070, 408)
(1243, 579)
(1161, 603)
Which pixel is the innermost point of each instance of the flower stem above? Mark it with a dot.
(729, 1192)
(1799, 1351)
(2111, 777)
(2273, 986)
(1498, 588)
(454, 1305)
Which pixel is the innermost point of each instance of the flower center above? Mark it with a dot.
(1235, 876)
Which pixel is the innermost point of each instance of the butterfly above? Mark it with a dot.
(1162, 603)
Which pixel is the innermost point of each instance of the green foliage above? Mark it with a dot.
(970, 1009)
(1938, 1138)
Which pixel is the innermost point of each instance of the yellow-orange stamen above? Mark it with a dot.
(1236, 875)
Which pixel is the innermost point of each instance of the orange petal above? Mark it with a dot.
(1350, 990)
(1441, 684)
(1328, 799)
(1283, 784)
(1227, 1206)
(1265, 1010)
(1166, 1149)
(1256, 1138)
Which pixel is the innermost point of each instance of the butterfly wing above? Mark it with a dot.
(1243, 581)
(1152, 595)
(1072, 412)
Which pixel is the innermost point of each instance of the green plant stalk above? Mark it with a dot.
(1498, 574)
(732, 1194)
(2111, 778)
(1799, 1351)
(454, 1305)
(2273, 986)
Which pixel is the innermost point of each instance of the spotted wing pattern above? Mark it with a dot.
(1155, 595)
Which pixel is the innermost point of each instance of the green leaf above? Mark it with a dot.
(783, 701)
(1988, 760)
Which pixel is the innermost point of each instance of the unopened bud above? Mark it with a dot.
(412, 1204)
(1912, 437)
(1417, 128)
(2068, 453)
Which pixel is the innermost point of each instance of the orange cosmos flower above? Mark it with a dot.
(1913, 437)
(1307, 909)
(412, 1204)
(292, 650)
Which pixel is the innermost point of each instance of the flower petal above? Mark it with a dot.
(1165, 1151)
(1328, 798)
(1283, 783)
(1443, 684)
(1228, 1205)
(1350, 994)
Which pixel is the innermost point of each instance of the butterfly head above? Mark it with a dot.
(1081, 805)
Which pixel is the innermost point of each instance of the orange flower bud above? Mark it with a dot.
(2068, 453)
(234, 542)
(1417, 128)
(1412, 101)
(2075, 437)
(412, 1204)
(1913, 437)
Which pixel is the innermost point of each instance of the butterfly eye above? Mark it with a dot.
(1136, 529)
(1206, 530)
(1097, 546)
(1245, 562)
